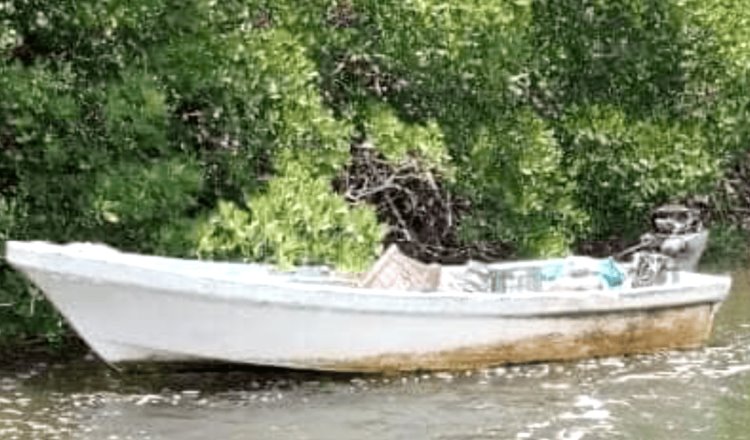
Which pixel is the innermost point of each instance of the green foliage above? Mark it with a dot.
(135, 193)
(133, 203)
(525, 196)
(397, 140)
(8, 34)
(244, 96)
(718, 85)
(448, 53)
(297, 221)
(23, 312)
(720, 29)
(625, 167)
(10, 216)
(136, 116)
(727, 248)
(44, 159)
(297, 115)
(626, 52)
(38, 112)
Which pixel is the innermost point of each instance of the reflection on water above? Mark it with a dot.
(703, 394)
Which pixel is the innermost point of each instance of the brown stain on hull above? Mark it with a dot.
(609, 335)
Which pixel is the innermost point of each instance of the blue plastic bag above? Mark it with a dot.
(607, 270)
(611, 273)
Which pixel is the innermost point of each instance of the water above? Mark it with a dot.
(703, 394)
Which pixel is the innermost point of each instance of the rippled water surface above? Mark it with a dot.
(702, 394)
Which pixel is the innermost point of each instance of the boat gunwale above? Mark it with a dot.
(705, 289)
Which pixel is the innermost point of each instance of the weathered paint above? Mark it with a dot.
(613, 334)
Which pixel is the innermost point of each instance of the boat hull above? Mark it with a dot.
(571, 339)
(136, 314)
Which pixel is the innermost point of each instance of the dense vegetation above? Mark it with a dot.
(312, 131)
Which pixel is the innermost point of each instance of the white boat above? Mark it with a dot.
(135, 308)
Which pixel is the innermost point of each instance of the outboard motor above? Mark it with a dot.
(676, 243)
(679, 234)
